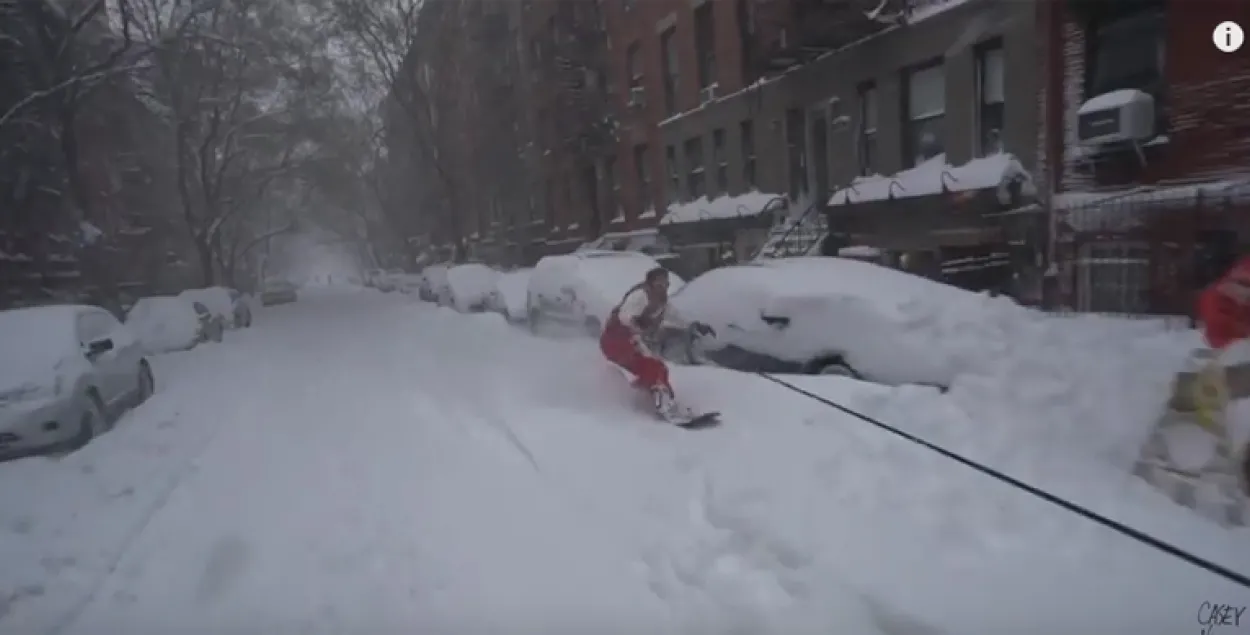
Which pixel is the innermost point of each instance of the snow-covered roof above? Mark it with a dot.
(859, 251)
(750, 203)
(1113, 99)
(1122, 208)
(935, 176)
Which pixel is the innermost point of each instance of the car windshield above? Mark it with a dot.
(32, 340)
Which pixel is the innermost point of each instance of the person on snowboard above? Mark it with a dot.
(1224, 309)
(634, 322)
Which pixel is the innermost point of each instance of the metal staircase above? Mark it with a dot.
(799, 237)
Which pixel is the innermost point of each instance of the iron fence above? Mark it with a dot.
(1146, 251)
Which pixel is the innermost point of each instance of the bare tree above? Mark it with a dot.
(240, 85)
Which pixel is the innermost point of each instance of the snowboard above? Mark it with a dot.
(698, 422)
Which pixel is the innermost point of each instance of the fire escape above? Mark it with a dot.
(791, 33)
(585, 125)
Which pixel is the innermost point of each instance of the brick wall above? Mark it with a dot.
(1207, 108)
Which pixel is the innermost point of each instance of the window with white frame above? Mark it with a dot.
(694, 164)
(747, 132)
(721, 158)
(672, 72)
(924, 104)
(642, 172)
(674, 174)
(613, 186)
(990, 97)
(867, 145)
(705, 44)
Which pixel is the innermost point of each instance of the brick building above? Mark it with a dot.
(1145, 142)
(572, 118)
(760, 108)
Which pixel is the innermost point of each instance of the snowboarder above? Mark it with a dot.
(636, 320)
(1224, 310)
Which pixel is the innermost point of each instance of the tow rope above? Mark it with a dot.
(1125, 530)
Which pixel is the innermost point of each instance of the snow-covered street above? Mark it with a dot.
(362, 462)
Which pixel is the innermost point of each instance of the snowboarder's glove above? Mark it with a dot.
(702, 330)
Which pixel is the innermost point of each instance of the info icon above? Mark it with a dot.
(1228, 37)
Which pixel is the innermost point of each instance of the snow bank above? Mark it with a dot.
(216, 299)
(751, 203)
(470, 285)
(164, 323)
(935, 176)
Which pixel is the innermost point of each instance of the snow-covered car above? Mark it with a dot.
(171, 323)
(242, 308)
(66, 372)
(221, 302)
(824, 315)
(468, 287)
(372, 277)
(508, 298)
(580, 289)
(433, 278)
(409, 283)
(278, 292)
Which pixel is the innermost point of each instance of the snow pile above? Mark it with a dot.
(164, 323)
(470, 286)
(510, 292)
(997, 171)
(216, 299)
(751, 203)
(859, 251)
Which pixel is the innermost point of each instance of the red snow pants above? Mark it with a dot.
(618, 346)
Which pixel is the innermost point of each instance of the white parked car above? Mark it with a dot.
(580, 289)
(433, 278)
(468, 287)
(508, 298)
(168, 323)
(821, 315)
(66, 373)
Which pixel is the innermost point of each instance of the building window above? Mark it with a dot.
(1126, 49)
(925, 107)
(796, 152)
(721, 158)
(694, 164)
(747, 130)
(550, 196)
(867, 146)
(633, 68)
(642, 172)
(705, 44)
(990, 98)
(674, 178)
(672, 74)
(613, 187)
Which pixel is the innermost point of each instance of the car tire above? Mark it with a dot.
(91, 424)
(832, 366)
(147, 383)
(593, 327)
(216, 331)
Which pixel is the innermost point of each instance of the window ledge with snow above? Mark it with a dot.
(746, 205)
(936, 176)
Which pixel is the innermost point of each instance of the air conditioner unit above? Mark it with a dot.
(1121, 116)
(707, 93)
(637, 96)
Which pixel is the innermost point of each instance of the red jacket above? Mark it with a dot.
(1224, 307)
